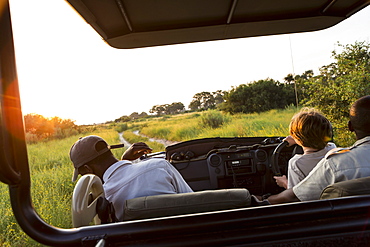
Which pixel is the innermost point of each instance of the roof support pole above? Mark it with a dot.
(124, 14)
(13, 153)
(231, 12)
(328, 6)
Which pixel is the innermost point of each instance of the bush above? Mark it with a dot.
(121, 127)
(213, 119)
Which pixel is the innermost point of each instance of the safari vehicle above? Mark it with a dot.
(207, 164)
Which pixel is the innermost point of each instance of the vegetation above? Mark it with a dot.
(339, 84)
(332, 91)
(213, 123)
(206, 100)
(121, 127)
(258, 96)
(40, 128)
(213, 119)
(51, 187)
(173, 108)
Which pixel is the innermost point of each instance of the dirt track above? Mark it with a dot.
(136, 132)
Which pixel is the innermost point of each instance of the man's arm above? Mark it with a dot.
(285, 196)
(135, 151)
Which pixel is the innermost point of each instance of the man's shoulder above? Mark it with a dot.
(154, 162)
(357, 149)
(337, 151)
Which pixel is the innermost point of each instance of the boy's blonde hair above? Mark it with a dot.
(311, 128)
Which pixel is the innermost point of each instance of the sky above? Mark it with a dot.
(65, 69)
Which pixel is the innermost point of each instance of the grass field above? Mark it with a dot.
(51, 188)
(191, 125)
(51, 169)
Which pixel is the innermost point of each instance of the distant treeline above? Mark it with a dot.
(40, 128)
(332, 91)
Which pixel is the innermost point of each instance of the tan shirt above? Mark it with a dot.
(341, 165)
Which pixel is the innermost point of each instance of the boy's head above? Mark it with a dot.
(311, 129)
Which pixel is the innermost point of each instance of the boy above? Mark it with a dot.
(312, 131)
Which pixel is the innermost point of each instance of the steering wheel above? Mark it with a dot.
(86, 193)
(275, 158)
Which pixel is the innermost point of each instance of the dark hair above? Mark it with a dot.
(311, 128)
(359, 114)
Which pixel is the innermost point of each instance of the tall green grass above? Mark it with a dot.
(210, 124)
(177, 128)
(51, 187)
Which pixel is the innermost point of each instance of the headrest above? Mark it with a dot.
(354, 187)
(185, 203)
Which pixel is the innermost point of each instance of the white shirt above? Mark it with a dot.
(124, 180)
(341, 165)
(300, 165)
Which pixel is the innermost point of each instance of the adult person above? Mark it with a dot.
(339, 165)
(312, 131)
(121, 179)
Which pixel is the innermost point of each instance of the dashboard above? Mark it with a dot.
(220, 163)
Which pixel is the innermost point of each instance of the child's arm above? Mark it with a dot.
(282, 181)
(290, 140)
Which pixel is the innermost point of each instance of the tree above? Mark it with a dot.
(173, 108)
(124, 118)
(297, 84)
(40, 127)
(258, 96)
(158, 109)
(342, 82)
(339, 84)
(218, 96)
(134, 115)
(206, 100)
(143, 115)
(194, 104)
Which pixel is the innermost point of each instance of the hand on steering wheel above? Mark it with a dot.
(275, 158)
(282, 181)
(135, 151)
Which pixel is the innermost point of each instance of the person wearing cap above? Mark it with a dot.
(339, 164)
(123, 180)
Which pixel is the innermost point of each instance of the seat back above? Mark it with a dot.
(185, 203)
(354, 187)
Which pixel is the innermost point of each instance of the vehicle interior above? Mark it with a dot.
(222, 163)
(210, 164)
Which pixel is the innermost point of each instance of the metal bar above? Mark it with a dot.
(124, 14)
(328, 6)
(231, 12)
(13, 153)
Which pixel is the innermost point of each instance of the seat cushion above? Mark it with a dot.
(354, 187)
(185, 203)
